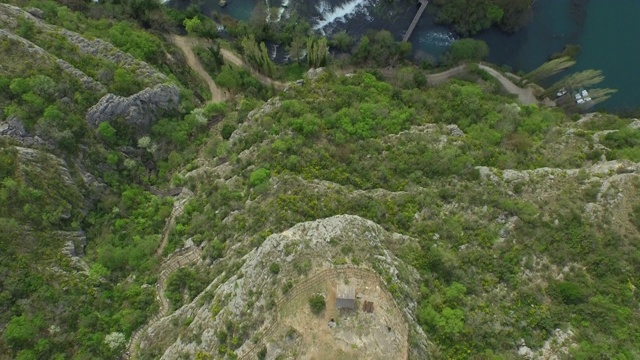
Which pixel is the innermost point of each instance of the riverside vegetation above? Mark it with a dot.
(524, 219)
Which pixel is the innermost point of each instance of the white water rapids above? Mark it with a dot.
(331, 14)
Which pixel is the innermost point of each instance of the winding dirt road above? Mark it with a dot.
(185, 44)
(178, 209)
(234, 59)
(438, 78)
(525, 95)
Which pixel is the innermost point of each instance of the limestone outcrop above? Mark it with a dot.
(13, 128)
(140, 110)
(238, 293)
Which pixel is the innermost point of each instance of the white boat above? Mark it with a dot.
(585, 93)
(561, 92)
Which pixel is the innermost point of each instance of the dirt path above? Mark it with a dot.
(185, 44)
(178, 208)
(525, 95)
(230, 57)
(180, 258)
(435, 79)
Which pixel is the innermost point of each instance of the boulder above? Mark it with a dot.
(313, 74)
(140, 110)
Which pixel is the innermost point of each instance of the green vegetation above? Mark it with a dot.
(335, 145)
(468, 50)
(379, 49)
(468, 17)
(317, 304)
(349, 140)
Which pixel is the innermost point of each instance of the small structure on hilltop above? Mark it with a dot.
(345, 297)
(368, 306)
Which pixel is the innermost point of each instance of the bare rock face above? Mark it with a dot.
(86, 81)
(140, 110)
(242, 297)
(36, 12)
(14, 128)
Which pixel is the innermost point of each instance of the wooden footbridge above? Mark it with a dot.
(423, 5)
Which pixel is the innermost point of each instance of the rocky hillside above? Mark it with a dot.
(522, 222)
(249, 297)
(136, 223)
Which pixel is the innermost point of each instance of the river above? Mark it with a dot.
(605, 30)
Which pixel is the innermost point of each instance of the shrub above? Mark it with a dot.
(274, 268)
(227, 130)
(468, 49)
(258, 177)
(317, 304)
(568, 292)
(107, 133)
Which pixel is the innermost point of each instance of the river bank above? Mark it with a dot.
(604, 33)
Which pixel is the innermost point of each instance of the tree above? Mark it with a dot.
(471, 16)
(317, 52)
(342, 41)
(258, 177)
(468, 50)
(52, 114)
(317, 304)
(107, 133)
(274, 268)
(547, 69)
(141, 9)
(257, 55)
(229, 78)
(296, 48)
(21, 331)
(450, 322)
(192, 25)
(124, 83)
(201, 26)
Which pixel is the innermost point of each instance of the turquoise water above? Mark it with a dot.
(608, 35)
(237, 9)
(611, 42)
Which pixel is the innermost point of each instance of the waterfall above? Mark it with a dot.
(339, 13)
(268, 19)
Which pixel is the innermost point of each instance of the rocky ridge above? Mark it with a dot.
(139, 110)
(246, 294)
(94, 47)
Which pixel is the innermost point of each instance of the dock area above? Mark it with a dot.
(414, 23)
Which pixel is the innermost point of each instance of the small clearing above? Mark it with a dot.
(353, 333)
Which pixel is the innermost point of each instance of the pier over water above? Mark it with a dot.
(423, 5)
